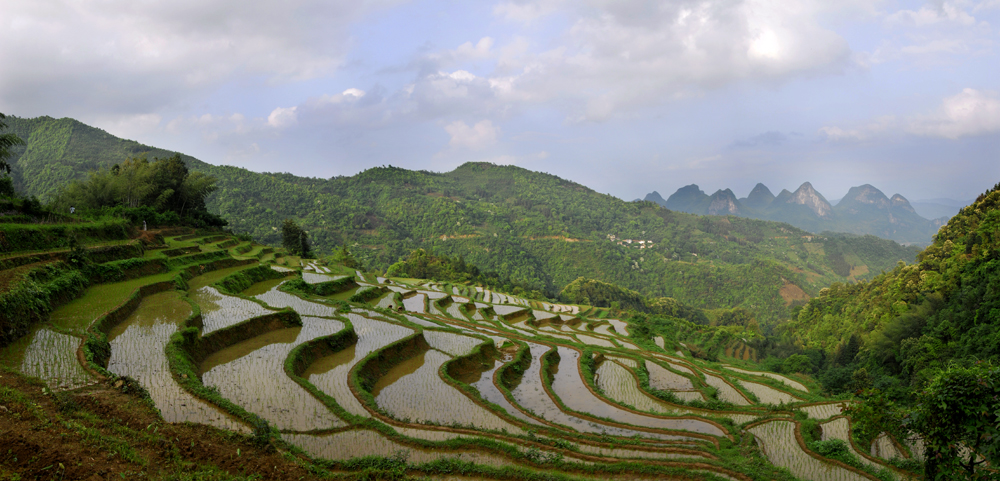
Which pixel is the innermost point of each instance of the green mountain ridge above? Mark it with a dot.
(534, 227)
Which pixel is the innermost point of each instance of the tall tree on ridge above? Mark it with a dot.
(7, 141)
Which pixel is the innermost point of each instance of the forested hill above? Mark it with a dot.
(913, 321)
(536, 228)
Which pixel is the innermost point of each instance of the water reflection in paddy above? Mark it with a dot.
(252, 375)
(777, 438)
(530, 394)
(137, 351)
(219, 310)
(413, 390)
(359, 443)
(280, 300)
(48, 355)
(330, 373)
(569, 387)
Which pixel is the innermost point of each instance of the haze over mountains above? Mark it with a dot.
(864, 210)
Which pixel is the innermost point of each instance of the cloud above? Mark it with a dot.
(944, 12)
(283, 117)
(767, 139)
(969, 113)
(126, 57)
(476, 137)
(622, 56)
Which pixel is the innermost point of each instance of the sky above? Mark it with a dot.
(623, 96)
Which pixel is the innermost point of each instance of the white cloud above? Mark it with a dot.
(932, 15)
(969, 113)
(619, 56)
(480, 50)
(283, 117)
(127, 57)
(477, 137)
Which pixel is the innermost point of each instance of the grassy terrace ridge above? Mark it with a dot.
(101, 414)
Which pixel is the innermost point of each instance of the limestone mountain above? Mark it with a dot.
(760, 197)
(690, 199)
(864, 210)
(724, 202)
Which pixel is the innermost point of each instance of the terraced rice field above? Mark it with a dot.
(840, 429)
(568, 386)
(330, 373)
(618, 384)
(279, 300)
(726, 392)
(778, 377)
(251, 374)
(137, 351)
(767, 394)
(413, 391)
(219, 310)
(528, 411)
(50, 356)
(824, 410)
(777, 439)
(451, 343)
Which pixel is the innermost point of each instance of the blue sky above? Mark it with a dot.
(623, 96)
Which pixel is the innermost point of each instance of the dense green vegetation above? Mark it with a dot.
(538, 229)
(916, 318)
(162, 192)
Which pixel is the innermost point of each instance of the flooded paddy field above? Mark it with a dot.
(530, 395)
(137, 351)
(767, 394)
(520, 400)
(278, 299)
(358, 443)
(726, 392)
(569, 386)
(778, 377)
(252, 375)
(777, 440)
(412, 391)
(330, 373)
(219, 310)
(49, 356)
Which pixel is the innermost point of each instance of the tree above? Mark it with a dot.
(294, 239)
(7, 141)
(958, 416)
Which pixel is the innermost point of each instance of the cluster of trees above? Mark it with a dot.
(162, 192)
(295, 240)
(8, 141)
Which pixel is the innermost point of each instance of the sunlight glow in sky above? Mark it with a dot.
(623, 96)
